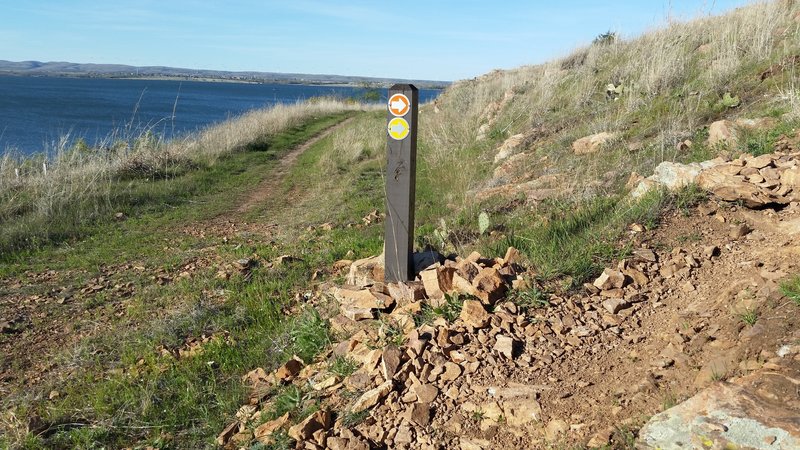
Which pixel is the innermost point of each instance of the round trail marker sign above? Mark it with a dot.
(398, 128)
(399, 105)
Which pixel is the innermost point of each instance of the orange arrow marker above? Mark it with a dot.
(399, 105)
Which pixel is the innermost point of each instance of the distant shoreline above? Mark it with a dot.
(198, 79)
(117, 71)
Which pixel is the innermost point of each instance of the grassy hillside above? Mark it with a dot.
(136, 330)
(672, 83)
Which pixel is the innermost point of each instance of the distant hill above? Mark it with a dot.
(69, 69)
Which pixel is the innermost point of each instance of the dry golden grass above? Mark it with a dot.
(67, 175)
(673, 79)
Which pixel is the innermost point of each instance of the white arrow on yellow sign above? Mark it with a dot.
(398, 128)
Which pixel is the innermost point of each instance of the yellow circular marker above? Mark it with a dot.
(398, 128)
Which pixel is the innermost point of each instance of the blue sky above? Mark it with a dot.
(441, 40)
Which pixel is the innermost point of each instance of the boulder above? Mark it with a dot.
(419, 414)
(366, 272)
(390, 361)
(504, 345)
(753, 412)
(721, 132)
(791, 177)
(489, 285)
(508, 147)
(644, 187)
(759, 162)
(320, 420)
(592, 143)
(406, 293)
(289, 370)
(675, 175)
(426, 393)
(521, 411)
(361, 298)
(610, 279)
(263, 433)
(732, 188)
(437, 282)
(555, 429)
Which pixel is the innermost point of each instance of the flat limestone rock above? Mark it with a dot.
(759, 411)
(474, 314)
(372, 397)
(366, 272)
(733, 188)
(592, 143)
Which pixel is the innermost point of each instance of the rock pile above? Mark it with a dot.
(760, 181)
(757, 181)
(470, 365)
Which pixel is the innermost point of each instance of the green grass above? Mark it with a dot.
(342, 366)
(449, 310)
(310, 335)
(351, 419)
(791, 289)
(689, 197)
(530, 299)
(749, 317)
(291, 399)
(190, 398)
(131, 395)
(575, 240)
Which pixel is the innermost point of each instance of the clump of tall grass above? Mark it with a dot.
(71, 182)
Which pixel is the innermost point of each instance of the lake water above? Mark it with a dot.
(36, 112)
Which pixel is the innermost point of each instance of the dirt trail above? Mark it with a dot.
(233, 222)
(269, 186)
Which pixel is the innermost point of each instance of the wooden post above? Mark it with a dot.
(401, 174)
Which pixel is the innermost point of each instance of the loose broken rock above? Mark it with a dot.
(474, 314)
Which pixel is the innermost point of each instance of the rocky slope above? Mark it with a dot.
(473, 355)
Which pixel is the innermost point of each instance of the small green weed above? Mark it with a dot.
(390, 332)
(351, 419)
(342, 366)
(609, 37)
(295, 401)
(624, 439)
(289, 399)
(688, 197)
(750, 317)
(449, 310)
(670, 400)
(310, 334)
(791, 289)
(528, 299)
(687, 238)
